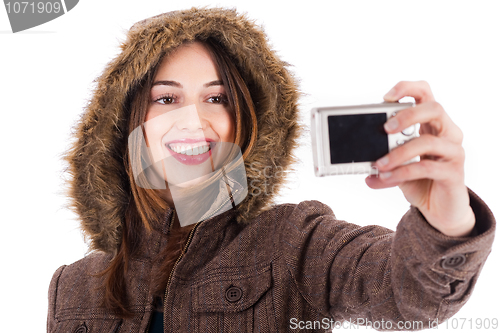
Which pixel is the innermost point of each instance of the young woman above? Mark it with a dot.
(182, 243)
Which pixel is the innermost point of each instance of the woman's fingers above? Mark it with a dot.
(426, 145)
(425, 169)
(420, 90)
(432, 117)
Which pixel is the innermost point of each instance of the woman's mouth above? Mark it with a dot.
(191, 153)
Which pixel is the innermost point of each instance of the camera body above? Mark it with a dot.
(349, 139)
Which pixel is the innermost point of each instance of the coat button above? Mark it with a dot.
(453, 261)
(81, 329)
(233, 294)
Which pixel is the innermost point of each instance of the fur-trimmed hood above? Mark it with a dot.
(98, 185)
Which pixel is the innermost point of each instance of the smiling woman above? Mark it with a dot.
(195, 97)
(190, 83)
(188, 78)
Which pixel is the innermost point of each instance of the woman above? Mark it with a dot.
(179, 249)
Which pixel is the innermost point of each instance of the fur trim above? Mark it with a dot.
(99, 185)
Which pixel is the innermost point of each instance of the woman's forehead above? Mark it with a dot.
(189, 61)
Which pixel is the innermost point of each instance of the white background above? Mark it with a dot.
(343, 53)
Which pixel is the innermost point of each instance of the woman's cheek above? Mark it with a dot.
(224, 124)
(155, 130)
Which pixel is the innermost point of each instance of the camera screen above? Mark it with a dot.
(357, 138)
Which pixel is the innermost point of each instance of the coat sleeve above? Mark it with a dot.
(53, 288)
(374, 276)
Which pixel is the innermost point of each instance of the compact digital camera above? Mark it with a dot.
(349, 139)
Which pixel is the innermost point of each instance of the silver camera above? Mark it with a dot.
(349, 139)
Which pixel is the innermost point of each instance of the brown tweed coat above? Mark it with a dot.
(290, 266)
(260, 267)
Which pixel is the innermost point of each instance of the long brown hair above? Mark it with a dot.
(146, 208)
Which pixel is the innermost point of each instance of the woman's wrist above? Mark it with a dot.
(462, 228)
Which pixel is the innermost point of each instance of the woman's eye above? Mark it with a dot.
(218, 99)
(165, 100)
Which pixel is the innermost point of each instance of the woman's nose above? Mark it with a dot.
(190, 119)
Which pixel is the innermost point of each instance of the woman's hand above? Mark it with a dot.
(435, 185)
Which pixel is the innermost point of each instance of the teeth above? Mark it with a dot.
(190, 150)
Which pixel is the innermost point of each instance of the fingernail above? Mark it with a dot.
(390, 94)
(391, 125)
(383, 161)
(385, 175)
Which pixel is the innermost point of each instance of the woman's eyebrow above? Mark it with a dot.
(213, 83)
(178, 85)
(168, 83)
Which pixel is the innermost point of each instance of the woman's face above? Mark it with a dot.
(188, 117)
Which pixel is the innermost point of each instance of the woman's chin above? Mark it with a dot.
(189, 183)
